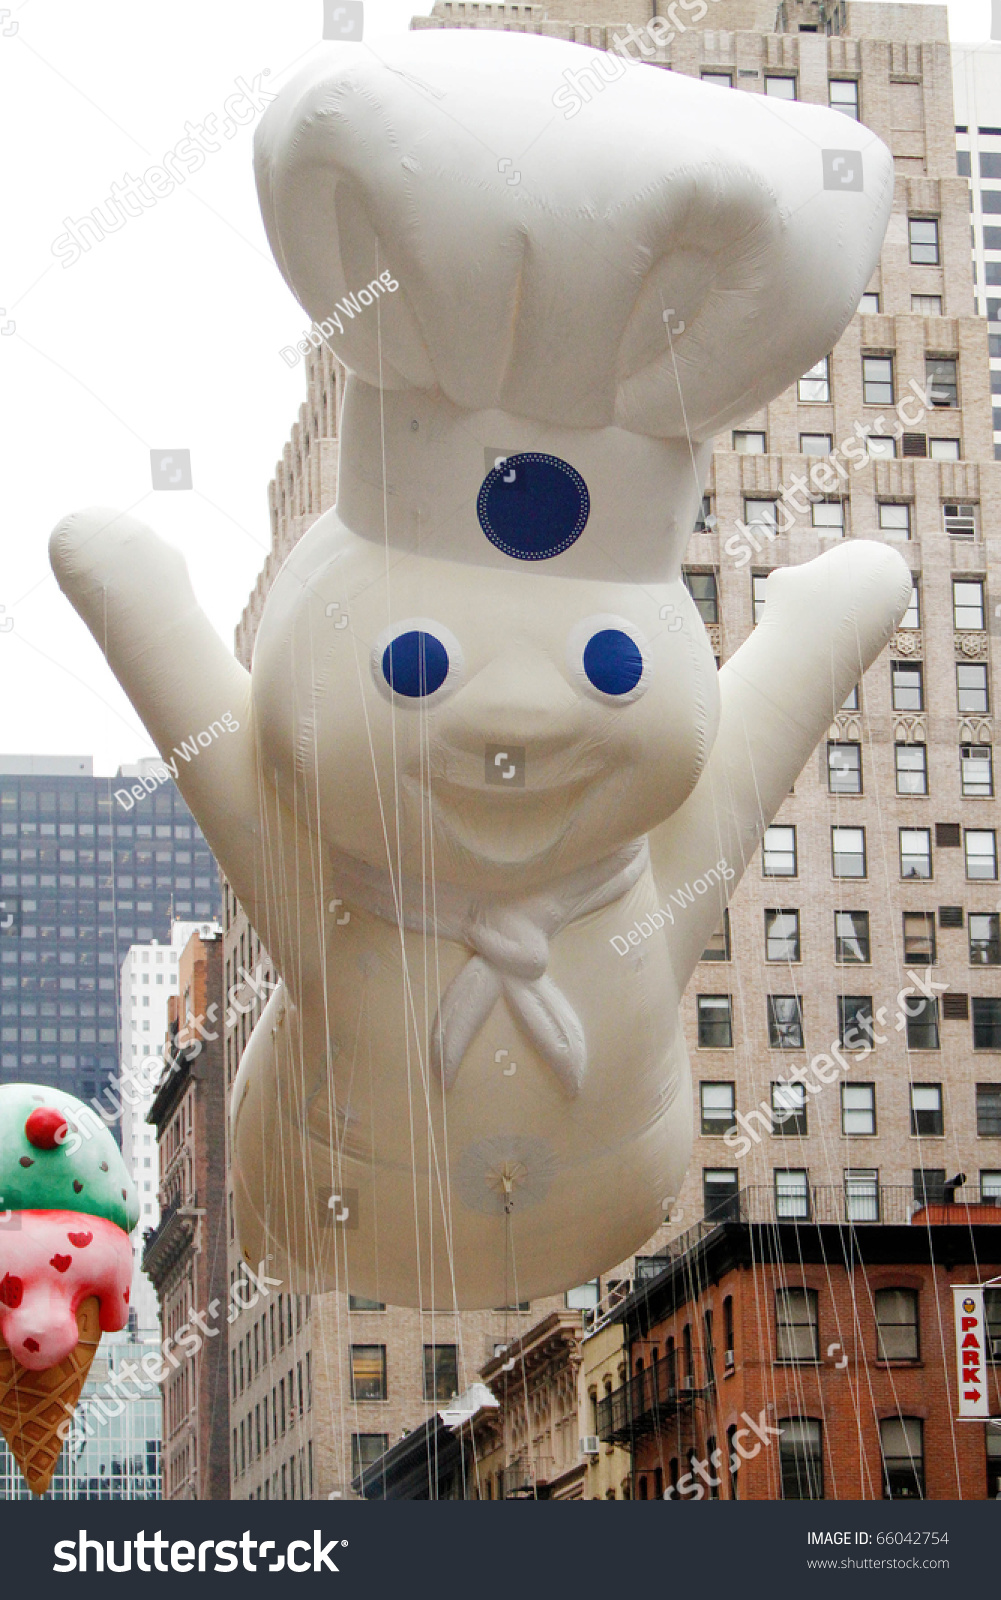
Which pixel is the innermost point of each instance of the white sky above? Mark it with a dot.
(163, 335)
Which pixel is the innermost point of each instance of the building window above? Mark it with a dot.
(782, 936)
(869, 304)
(815, 444)
(897, 1325)
(814, 387)
(985, 939)
(848, 852)
(851, 937)
(861, 1194)
(704, 518)
(915, 853)
(877, 380)
(748, 443)
(781, 88)
(923, 238)
(715, 1022)
(703, 590)
(960, 519)
(789, 1109)
(717, 1101)
(976, 771)
(922, 1023)
(368, 1372)
(858, 1109)
(980, 846)
(911, 767)
(842, 95)
(785, 1022)
(906, 678)
(829, 517)
(441, 1371)
(358, 1302)
(855, 1021)
(929, 1185)
(945, 449)
(758, 582)
(986, 1023)
(968, 604)
(778, 852)
(940, 380)
(901, 1442)
(990, 1194)
(366, 1448)
(972, 693)
(895, 519)
(844, 768)
(792, 1194)
(722, 80)
(927, 1121)
(718, 948)
(927, 305)
(719, 1199)
(797, 1335)
(761, 517)
(801, 1459)
(919, 938)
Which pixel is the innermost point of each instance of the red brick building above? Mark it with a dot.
(802, 1360)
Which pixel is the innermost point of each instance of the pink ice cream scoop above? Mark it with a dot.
(50, 1264)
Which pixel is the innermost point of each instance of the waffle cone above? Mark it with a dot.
(33, 1404)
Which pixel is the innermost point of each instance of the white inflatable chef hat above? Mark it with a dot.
(461, 239)
(536, 252)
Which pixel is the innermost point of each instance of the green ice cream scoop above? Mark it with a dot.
(57, 1155)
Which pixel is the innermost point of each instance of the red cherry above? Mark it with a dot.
(46, 1128)
(11, 1292)
(61, 1263)
(32, 1345)
(80, 1240)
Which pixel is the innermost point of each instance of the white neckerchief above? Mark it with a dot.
(510, 940)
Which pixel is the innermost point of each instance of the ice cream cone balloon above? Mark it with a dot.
(67, 1205)
(34, 1406)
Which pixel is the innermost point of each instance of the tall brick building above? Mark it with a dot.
(185, 1254)
(879, 878)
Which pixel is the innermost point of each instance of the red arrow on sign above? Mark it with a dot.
(972, 1394)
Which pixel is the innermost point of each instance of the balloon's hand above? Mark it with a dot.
(133, 592)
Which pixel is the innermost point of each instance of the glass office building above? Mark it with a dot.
(86, 871)
(112, 1451)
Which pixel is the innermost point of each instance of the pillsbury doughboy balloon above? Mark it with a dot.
(445, 817)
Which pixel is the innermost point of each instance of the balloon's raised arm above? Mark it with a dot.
(133, 592)
(823, 625)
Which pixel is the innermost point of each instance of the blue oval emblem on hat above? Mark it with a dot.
(533, 506)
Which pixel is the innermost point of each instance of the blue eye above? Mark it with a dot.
(415, 664)
(613, 662)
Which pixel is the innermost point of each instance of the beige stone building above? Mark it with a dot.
(880, 873)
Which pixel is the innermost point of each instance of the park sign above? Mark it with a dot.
(971, 1350)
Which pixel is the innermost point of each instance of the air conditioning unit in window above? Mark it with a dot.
(996, 1349)
(960, 521)
(687, 1384)
(590, 1445)
(728, 1358)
